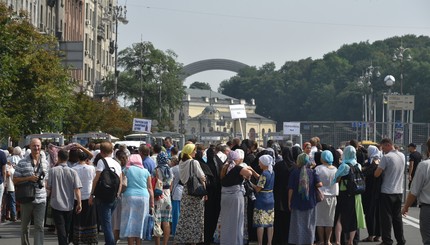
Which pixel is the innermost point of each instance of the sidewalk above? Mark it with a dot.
(11, 234)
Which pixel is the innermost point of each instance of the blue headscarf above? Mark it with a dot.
(373, 153)
(349, 156)
(327, 157)
(163, 165)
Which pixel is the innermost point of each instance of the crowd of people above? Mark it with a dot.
(281, 194)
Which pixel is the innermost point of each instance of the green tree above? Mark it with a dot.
(35, 90)
(200, 85)
(91, 114)
(327, 89)
(149, 73)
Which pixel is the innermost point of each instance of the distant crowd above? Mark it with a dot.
(232, 193)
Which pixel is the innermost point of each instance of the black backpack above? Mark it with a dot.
(356, 183)
(108, 184)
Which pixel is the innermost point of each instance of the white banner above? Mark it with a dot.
(292, 128)
(237, 111)
(141, 125)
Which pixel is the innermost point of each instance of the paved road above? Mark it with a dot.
(10, 232)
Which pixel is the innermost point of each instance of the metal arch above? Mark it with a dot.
(211, 64)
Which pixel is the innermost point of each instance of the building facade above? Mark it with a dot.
(205, 114)
(91, 22)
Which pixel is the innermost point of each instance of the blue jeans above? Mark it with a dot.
(11, 204)
(106, 210)
(176, 209)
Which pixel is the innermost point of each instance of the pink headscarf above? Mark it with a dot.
(134, 160)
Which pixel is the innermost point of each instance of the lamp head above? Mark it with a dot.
(389, 80)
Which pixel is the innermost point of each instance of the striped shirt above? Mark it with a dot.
(25, 168)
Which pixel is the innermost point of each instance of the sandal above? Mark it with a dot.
(368, 239)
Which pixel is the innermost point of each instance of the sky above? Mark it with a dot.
(256, 32)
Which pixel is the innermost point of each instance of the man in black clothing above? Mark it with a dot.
(414, 159)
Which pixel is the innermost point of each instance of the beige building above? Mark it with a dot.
(206, 115)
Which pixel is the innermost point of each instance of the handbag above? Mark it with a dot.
(149, 227)
(25, 192)
(157, 185)
(194, 185)
(319, 194)
(158, 232)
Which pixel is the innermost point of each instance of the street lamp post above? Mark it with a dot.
(369, 104)
(399, 56)
(119, 14)
(389, 81)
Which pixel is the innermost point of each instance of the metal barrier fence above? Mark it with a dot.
(337, 133)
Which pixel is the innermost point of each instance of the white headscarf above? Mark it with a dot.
(267, 161)
(241, 153)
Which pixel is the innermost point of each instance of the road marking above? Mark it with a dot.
(411, 223)
(412, 219)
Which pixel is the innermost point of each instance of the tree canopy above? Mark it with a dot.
(200, 85)
(153, 75)
(327, 89)
(35, 90)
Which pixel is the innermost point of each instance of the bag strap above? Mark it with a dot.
(107, 166)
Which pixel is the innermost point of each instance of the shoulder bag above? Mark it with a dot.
(26, 192)
(194, 185)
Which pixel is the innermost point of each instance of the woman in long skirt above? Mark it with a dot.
(302, 201)
(264, 213)
(190, 227)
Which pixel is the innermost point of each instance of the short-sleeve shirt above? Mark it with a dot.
(63, 181)
(416, 157)
(297, 201)
(86, 174)
(233, 177)
(113, 165)
(25, 168)
(393, 164)
(421, 183)
(326, 176)
(149, 164)
(266, 180)
(137, 179)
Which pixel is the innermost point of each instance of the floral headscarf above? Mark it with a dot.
(163, 165)
(303, 162)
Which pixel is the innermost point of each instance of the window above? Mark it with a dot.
(251, 134)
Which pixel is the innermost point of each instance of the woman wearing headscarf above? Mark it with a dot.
(282, 172)
(347, 204)
(136, 200)
(190, 227)
(232, 199)
(371, 195)
(302, 201)
(325, 210)
(163, 203)
(264, 213)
